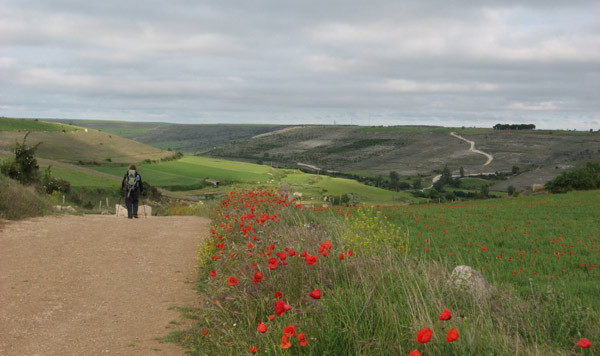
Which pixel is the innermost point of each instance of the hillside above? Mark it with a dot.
(177, 137)
(539, 155)
(70, 144)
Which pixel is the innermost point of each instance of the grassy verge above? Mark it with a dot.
(266, 257)
(19, 202)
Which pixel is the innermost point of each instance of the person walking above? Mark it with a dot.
(132, 187)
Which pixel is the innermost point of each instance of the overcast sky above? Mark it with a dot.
(378, 62)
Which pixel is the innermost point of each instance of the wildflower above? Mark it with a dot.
(289, 330)
(310, 260)
(285, 342)
(584, 343)
(452, 335)
(253, 349)
(341, 256)
(213, 273)
(257, 277)
(262, 328)
(272, 263)
(205, 332)
(302, 338)
(279, 307)
(445, 314)
(316, 294)
(271, 317)
(414, 353)
(424, 335)
(278, 295)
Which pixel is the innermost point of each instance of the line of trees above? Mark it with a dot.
(514, 127)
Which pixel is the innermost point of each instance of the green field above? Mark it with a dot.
(191, 171)
(8, 124)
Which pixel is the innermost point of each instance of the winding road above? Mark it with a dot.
(489, 157)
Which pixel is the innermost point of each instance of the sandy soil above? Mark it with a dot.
(95, 284)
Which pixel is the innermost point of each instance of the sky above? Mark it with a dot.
(378, 62)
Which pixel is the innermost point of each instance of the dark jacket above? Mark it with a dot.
(140, 184)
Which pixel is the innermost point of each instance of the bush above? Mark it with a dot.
(23, 167)
(578, 179)
(52, 184)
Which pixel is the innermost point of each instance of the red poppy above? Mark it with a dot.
(445, 314)
(316, 294)
(452, 335)
(292, 252)
(310, 260)
(341, 256)
(424, 335)
(213, 273)
(285, 342)
(302, 338)
(232, 281)
(257, 277)
(278, 295)
(205, 332)
(262, 328)
(289, 330)
(271, 317)
(272, 262)
(253, 349)
(350, 253)
(584, 343)
(414, 353)
(279, 307)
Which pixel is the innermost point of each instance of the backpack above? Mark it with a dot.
(131, 182)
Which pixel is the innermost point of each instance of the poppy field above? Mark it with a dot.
(278, 278)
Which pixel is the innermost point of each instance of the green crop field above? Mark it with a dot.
(191, 171)
(84, 178)
(8, 124)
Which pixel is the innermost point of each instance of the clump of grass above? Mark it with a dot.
(374, 298)
(19, 202)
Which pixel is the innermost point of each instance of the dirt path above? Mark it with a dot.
(489, 157)
(96, 284)
(472, 148)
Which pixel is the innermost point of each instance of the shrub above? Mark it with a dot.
(577, 179)
(23, 167)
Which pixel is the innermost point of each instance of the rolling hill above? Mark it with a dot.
(177, 137)
(537, 155)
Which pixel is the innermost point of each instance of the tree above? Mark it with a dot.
(23, 167)
(485, 191)
(417, 183)
(511, 190)
(446, 176)
(394, 180)
(462, 172)
(515, 170)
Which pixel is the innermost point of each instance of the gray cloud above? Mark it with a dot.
(381, 62)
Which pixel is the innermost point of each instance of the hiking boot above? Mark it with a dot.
(135, 216)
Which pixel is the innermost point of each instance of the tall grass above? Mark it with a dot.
(375, 296)
(19, 202)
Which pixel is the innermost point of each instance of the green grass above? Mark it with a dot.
(191, 171)
(8, 124)
(83, 178)
(19, 202)
(376, 300)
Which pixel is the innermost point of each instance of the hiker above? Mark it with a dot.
(132, 187)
